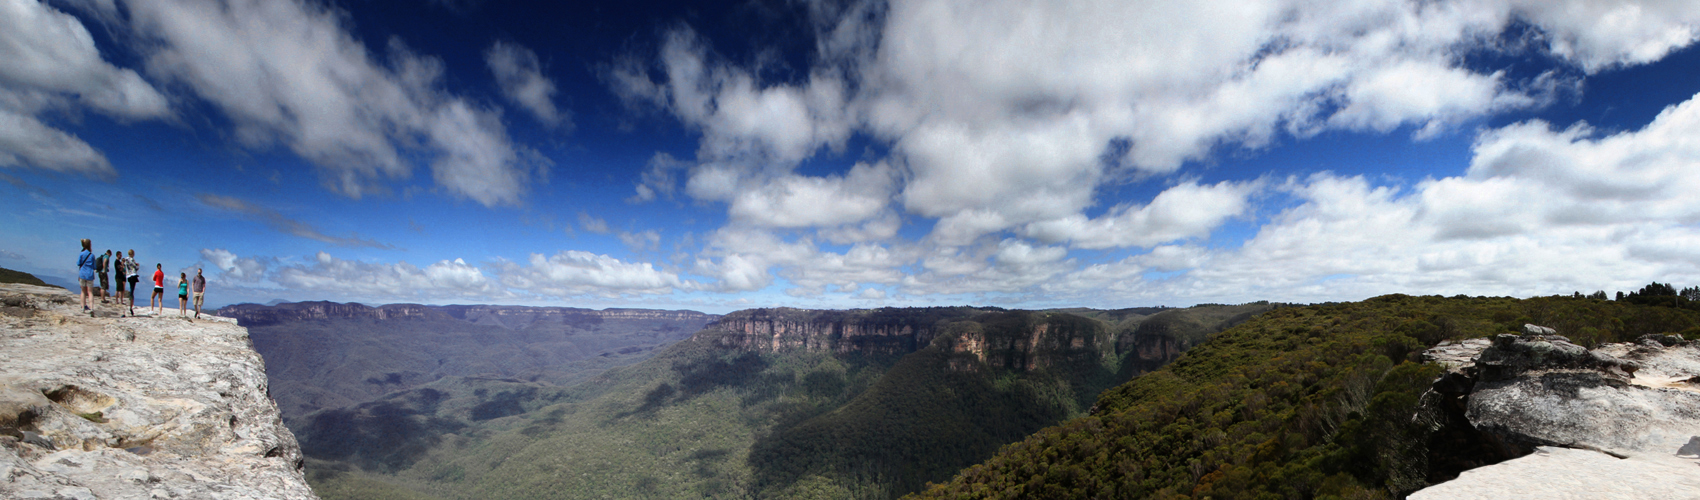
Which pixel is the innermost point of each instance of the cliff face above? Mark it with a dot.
(136, 407)
(1018, 340)
(786, 329)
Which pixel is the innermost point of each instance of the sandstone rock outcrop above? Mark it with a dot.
(1018, 340)
(97, 406)
(1604, 423)
(840, 332)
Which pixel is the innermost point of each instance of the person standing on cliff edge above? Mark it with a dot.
(118, 277)
(130, 270)
(182, 294)
(200, 289)
(101, 262)
(157, 301)
(85, 272)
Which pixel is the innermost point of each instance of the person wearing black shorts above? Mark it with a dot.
(118, 272)
(102, 264)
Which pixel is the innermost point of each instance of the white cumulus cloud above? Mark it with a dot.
(240, 268)
(1008, 117)
(325, 275)
(289, 72)
(578, 273)
(49, 62)
(1185, 211)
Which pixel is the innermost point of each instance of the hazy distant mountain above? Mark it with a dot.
(323, 355)
(765, 403)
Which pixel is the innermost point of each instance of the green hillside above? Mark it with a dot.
(10, 276)
(1303, 402)
(700, 419)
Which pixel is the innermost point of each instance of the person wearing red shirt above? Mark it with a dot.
(158, 300)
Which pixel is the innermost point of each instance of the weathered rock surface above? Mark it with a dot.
(1543, 390)
(1562, 473)
(136, 407)
(1605, 423)
(1456, 355)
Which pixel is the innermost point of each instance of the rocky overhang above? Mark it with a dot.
(94, 405)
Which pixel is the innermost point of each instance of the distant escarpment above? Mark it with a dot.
(94, 405)
(1004, 339)
(871, 331)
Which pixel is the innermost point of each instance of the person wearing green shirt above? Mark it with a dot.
(182, 294)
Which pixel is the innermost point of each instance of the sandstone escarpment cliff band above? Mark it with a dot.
(1020, 340)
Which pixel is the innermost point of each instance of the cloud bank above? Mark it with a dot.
(284, 73)
(1007, 120)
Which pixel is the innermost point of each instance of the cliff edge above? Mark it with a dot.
(1619, 421)
(96, 406)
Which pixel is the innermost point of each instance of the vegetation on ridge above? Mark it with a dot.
(1303, 402)
(11, 276)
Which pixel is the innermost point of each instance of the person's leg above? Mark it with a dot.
(199, 298)
(88, 292)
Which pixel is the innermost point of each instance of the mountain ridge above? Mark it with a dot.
(260, 314)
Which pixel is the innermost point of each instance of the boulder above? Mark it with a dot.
(1512, 355)
(1691, 449)
(1457, 355)
(1543, 390)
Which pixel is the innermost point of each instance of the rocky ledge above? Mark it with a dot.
(98, 406)
(1618, 421)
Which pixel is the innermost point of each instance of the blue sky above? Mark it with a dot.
(718, 156)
